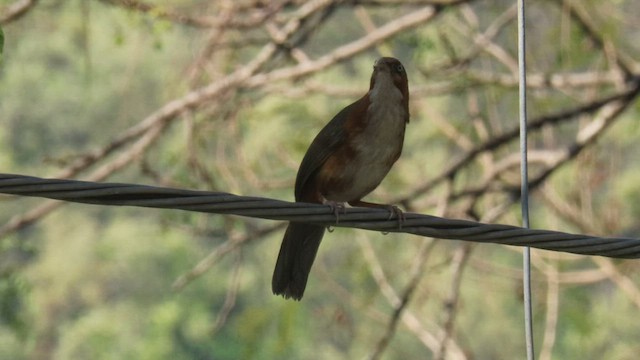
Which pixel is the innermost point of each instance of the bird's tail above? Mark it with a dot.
(297, 252)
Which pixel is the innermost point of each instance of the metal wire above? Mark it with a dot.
(524, 178)
(361, 218)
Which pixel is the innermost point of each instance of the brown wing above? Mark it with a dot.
(330, 138)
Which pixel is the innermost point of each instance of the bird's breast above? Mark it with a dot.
(369, 153)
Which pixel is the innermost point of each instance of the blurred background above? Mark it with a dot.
(226, 95)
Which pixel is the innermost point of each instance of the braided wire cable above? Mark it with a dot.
(120, 194)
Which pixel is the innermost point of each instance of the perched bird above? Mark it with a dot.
(346, 161)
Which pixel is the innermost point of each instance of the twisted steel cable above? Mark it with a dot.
(361, 218)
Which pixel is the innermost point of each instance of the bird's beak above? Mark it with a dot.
(376, 65)
(379, 66)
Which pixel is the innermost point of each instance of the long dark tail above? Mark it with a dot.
(297, 252)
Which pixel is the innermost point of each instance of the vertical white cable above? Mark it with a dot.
(524, 172)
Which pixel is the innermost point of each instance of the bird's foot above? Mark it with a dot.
(336, 207)
(394, 210)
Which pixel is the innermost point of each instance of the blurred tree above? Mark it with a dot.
(226, 95)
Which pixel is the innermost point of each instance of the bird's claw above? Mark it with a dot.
(394, 210)
(335, 208)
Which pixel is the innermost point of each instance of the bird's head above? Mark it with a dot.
(391, 68)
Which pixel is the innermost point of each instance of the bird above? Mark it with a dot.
(347, 160)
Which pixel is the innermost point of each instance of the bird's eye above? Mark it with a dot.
(399, 68)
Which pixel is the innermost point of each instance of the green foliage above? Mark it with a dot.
(13, 289)
(92, 282)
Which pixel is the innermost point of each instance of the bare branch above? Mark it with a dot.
(16, 10)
